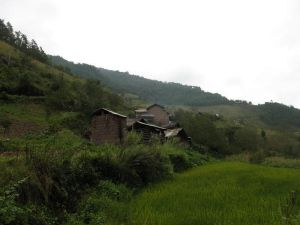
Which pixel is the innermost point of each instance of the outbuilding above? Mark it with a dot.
(108, 127)
(178, 133)
(148, 131)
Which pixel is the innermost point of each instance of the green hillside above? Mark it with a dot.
(24, 79)
(166, 93)
(273, 115)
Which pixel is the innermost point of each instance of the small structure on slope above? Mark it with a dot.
(108, 127)
(148, 131)
(178, 133)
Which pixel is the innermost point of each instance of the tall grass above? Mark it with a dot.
(226, 193)
(60, 168)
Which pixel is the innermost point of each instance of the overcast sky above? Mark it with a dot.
(241, 49)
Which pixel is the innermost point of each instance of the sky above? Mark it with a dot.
(247, 50)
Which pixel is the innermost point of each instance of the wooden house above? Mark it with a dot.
(148, 131)
(107, 127)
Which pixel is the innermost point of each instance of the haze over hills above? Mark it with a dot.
(167, 93)
(184, 96)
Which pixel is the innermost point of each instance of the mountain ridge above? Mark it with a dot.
(167, 93)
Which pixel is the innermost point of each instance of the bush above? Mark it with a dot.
(257, 157)
(146, 165)
(134, 138)
(135, 166)
(104, 204)
(182, 158)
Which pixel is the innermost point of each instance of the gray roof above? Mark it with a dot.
(172, 132)
(141, 110)
(155, 105)
(107, 111)
(150, 125)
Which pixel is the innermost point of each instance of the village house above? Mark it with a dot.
(144, 114)
(155, 114)
(108, 127)
(111, 127)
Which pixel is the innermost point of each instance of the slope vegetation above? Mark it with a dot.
(222, 193)
(150, 90)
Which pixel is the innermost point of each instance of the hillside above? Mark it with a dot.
(269, 115)
(177, 96)
(166, 93)
(35, 95)
(53, 173)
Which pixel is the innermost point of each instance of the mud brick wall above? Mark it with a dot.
(161, 117)
(108, 129)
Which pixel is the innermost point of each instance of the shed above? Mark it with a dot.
(148, 131)
(108, 127)
(177, 133)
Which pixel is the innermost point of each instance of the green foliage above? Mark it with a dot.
(20, 41)
(106, 204)
(77, 122)
(223, 193)
(202, 130)
(277, 161)
(289, 211)
(61, 167)
(10, 211)
(21, 80)
(134, 138)
(279, 115)
(257, 157)
(150, 90)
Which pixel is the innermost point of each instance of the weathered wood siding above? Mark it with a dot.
(161, 117)
(108, 129)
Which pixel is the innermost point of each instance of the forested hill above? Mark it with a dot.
(150, 90)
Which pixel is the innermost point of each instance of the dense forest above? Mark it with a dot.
(167, 93)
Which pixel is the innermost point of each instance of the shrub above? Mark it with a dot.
(182, 158)
(257, 157)
(10, 211)
(147, 165)
(105, 204)
(134, 138)
(289, 212)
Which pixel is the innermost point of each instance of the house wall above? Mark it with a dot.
(161, 117)
(108, 129)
